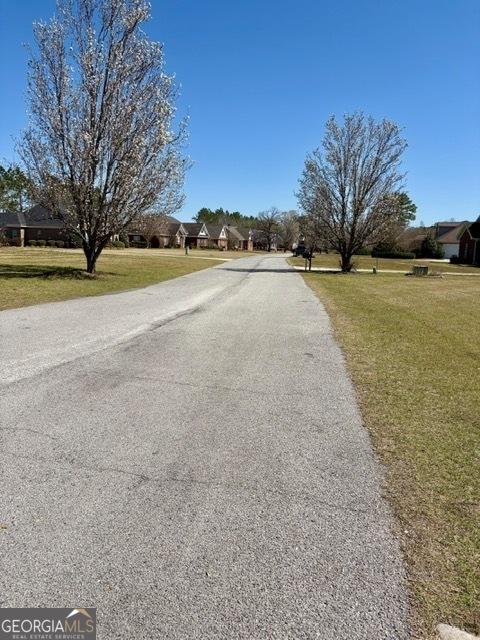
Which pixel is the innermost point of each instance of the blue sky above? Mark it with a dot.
(259, 79)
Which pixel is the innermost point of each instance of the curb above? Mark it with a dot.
(446, 632)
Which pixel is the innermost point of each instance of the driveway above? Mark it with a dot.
(189, 459)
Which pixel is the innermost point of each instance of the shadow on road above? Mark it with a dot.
(254, 270)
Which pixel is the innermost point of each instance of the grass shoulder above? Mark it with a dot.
(413, 349)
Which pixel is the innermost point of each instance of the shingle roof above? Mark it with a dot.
(452, 236)
(244, 231)
(173, 227)
(474, 230)
(214, 230)
(193, 228)
(11, 219)
(235, 233)
(39, 216)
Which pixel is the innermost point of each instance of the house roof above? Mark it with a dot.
(36, 217)
(453, 235)
(244, 231)
(235, 233)
(215, 230)
(474, 230)
(448, 223)
(11, 219)
(39, 216)
(173, 227)
(193, 229)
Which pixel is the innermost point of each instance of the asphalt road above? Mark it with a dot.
(189, 459)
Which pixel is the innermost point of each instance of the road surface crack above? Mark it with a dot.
(190, 481)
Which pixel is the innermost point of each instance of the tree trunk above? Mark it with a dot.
(346, 262)
(91, 257)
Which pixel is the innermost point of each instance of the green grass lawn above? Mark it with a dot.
(413, 348)
(331, 260)
(30, 276)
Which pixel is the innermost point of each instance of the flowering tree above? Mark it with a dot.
(349, 187)
(100, 148)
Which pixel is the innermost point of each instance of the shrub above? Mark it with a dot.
(139, 245)
(14, 242)
(431, 248)
(364, 251)
(41, 243)
(395, 255)
(3, 240)
(59, 243)
(454, 260)
(123, 237)
(32, 243)
(118, 244)
(51, 243)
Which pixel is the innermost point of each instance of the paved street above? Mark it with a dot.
(189, 459)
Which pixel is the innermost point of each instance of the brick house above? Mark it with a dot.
(469, 245)
(36, 223)
(197, 235)
(174, 235)
(239, 239)
(218, 236)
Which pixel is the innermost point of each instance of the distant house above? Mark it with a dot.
(239, 239)
(218, 235)
(37, 223)
(469, 245)
(197, 235)
(173, 235)
(448, 235)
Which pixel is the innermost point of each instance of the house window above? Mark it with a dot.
(14, 233)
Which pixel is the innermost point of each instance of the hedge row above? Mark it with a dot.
(399, 255)
(46, 243)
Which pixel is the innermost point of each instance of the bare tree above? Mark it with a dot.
(100, 147)
(289, 228)
(346, 186)
(268, 225)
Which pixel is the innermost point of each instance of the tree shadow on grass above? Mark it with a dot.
(47, 272)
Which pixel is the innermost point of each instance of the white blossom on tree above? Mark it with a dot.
(348, 187)
(101, 148)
